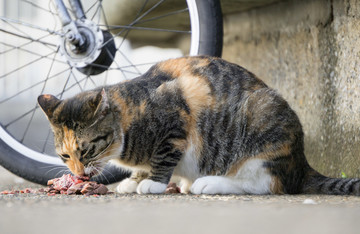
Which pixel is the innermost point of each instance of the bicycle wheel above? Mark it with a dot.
(33, 62)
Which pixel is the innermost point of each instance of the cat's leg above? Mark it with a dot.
(129, 185)
(162, 167)
(252, 178)
(185, 185)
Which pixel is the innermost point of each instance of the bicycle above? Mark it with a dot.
(83, 48)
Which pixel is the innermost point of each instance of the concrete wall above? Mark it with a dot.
(308, 50)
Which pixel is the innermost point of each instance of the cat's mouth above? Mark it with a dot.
(93, 169)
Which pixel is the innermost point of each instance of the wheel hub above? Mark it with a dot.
(96, 53)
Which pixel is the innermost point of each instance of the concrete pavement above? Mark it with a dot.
(114, 213)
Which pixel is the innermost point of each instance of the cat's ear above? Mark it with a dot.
(100, 104)
(48, 104)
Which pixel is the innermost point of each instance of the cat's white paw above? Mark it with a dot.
(127, 186)
(213, 185)
(150, 186)
(204, 185)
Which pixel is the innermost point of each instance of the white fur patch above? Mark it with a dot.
(252, 178)
(188, 167)
(127, 186)
(149, 186)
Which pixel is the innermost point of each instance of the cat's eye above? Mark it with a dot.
(65, 156)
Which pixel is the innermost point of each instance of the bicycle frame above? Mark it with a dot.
(70, 29)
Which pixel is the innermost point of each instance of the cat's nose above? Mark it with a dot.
(78, 169)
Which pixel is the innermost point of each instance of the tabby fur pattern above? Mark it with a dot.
(210, 122)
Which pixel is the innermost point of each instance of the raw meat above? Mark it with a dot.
(172, 188)
(68, 184)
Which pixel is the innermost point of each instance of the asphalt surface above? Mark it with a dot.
(114, 213)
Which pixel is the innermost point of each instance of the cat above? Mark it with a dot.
(208, 121)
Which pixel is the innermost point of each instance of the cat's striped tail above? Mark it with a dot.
(315, 183)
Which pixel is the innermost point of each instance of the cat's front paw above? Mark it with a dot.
(127, 186)
(150, 186)
(210, 185)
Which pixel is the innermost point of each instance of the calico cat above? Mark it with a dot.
(210, 122)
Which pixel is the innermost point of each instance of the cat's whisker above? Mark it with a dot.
(61, 172)
(101, 174)
(51, 166)
(104, 151)
(108, 171)
(56, 168)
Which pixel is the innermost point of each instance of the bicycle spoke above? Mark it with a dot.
(136, 20)
(46, 141)
(27, 126)
(23, 66)
(163, 16)
(8, 21)
(37, 6)
(65, 85)
(42, 91)
(27, 35)
(28, 38)
(118, 67)
(147, 12)
(106, 78)
(20, 117)
(92, 81)
(131, 64)
(31, 110)
(113, 27)
(92, 6)
(140, 64)
(27, 51)
(25, 44)
(76, 80)
(104, 15)
(60, 97)
(32, 86)
(96, 11)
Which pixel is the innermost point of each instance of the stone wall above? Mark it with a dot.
(308, 50)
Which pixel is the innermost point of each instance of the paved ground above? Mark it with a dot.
(174, 213)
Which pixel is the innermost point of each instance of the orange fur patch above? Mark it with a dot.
(75, 166)
(126, 116)
(129, 113)
(69, 147)
(69, 141)
(269, 154)
(236, 167)
(181, 66)
(276, 186)
(197, 93)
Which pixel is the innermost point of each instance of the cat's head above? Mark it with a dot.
(83, 127)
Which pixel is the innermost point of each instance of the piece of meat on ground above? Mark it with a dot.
(68, 184)
(172, 188)
(88, 188)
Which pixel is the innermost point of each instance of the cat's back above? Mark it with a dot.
(200, 80)
(199, 75)
(221, 76)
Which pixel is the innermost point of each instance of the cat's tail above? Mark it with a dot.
(315, 183)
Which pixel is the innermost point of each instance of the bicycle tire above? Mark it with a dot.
(211, 38)
(14, 157)
(23, 166)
